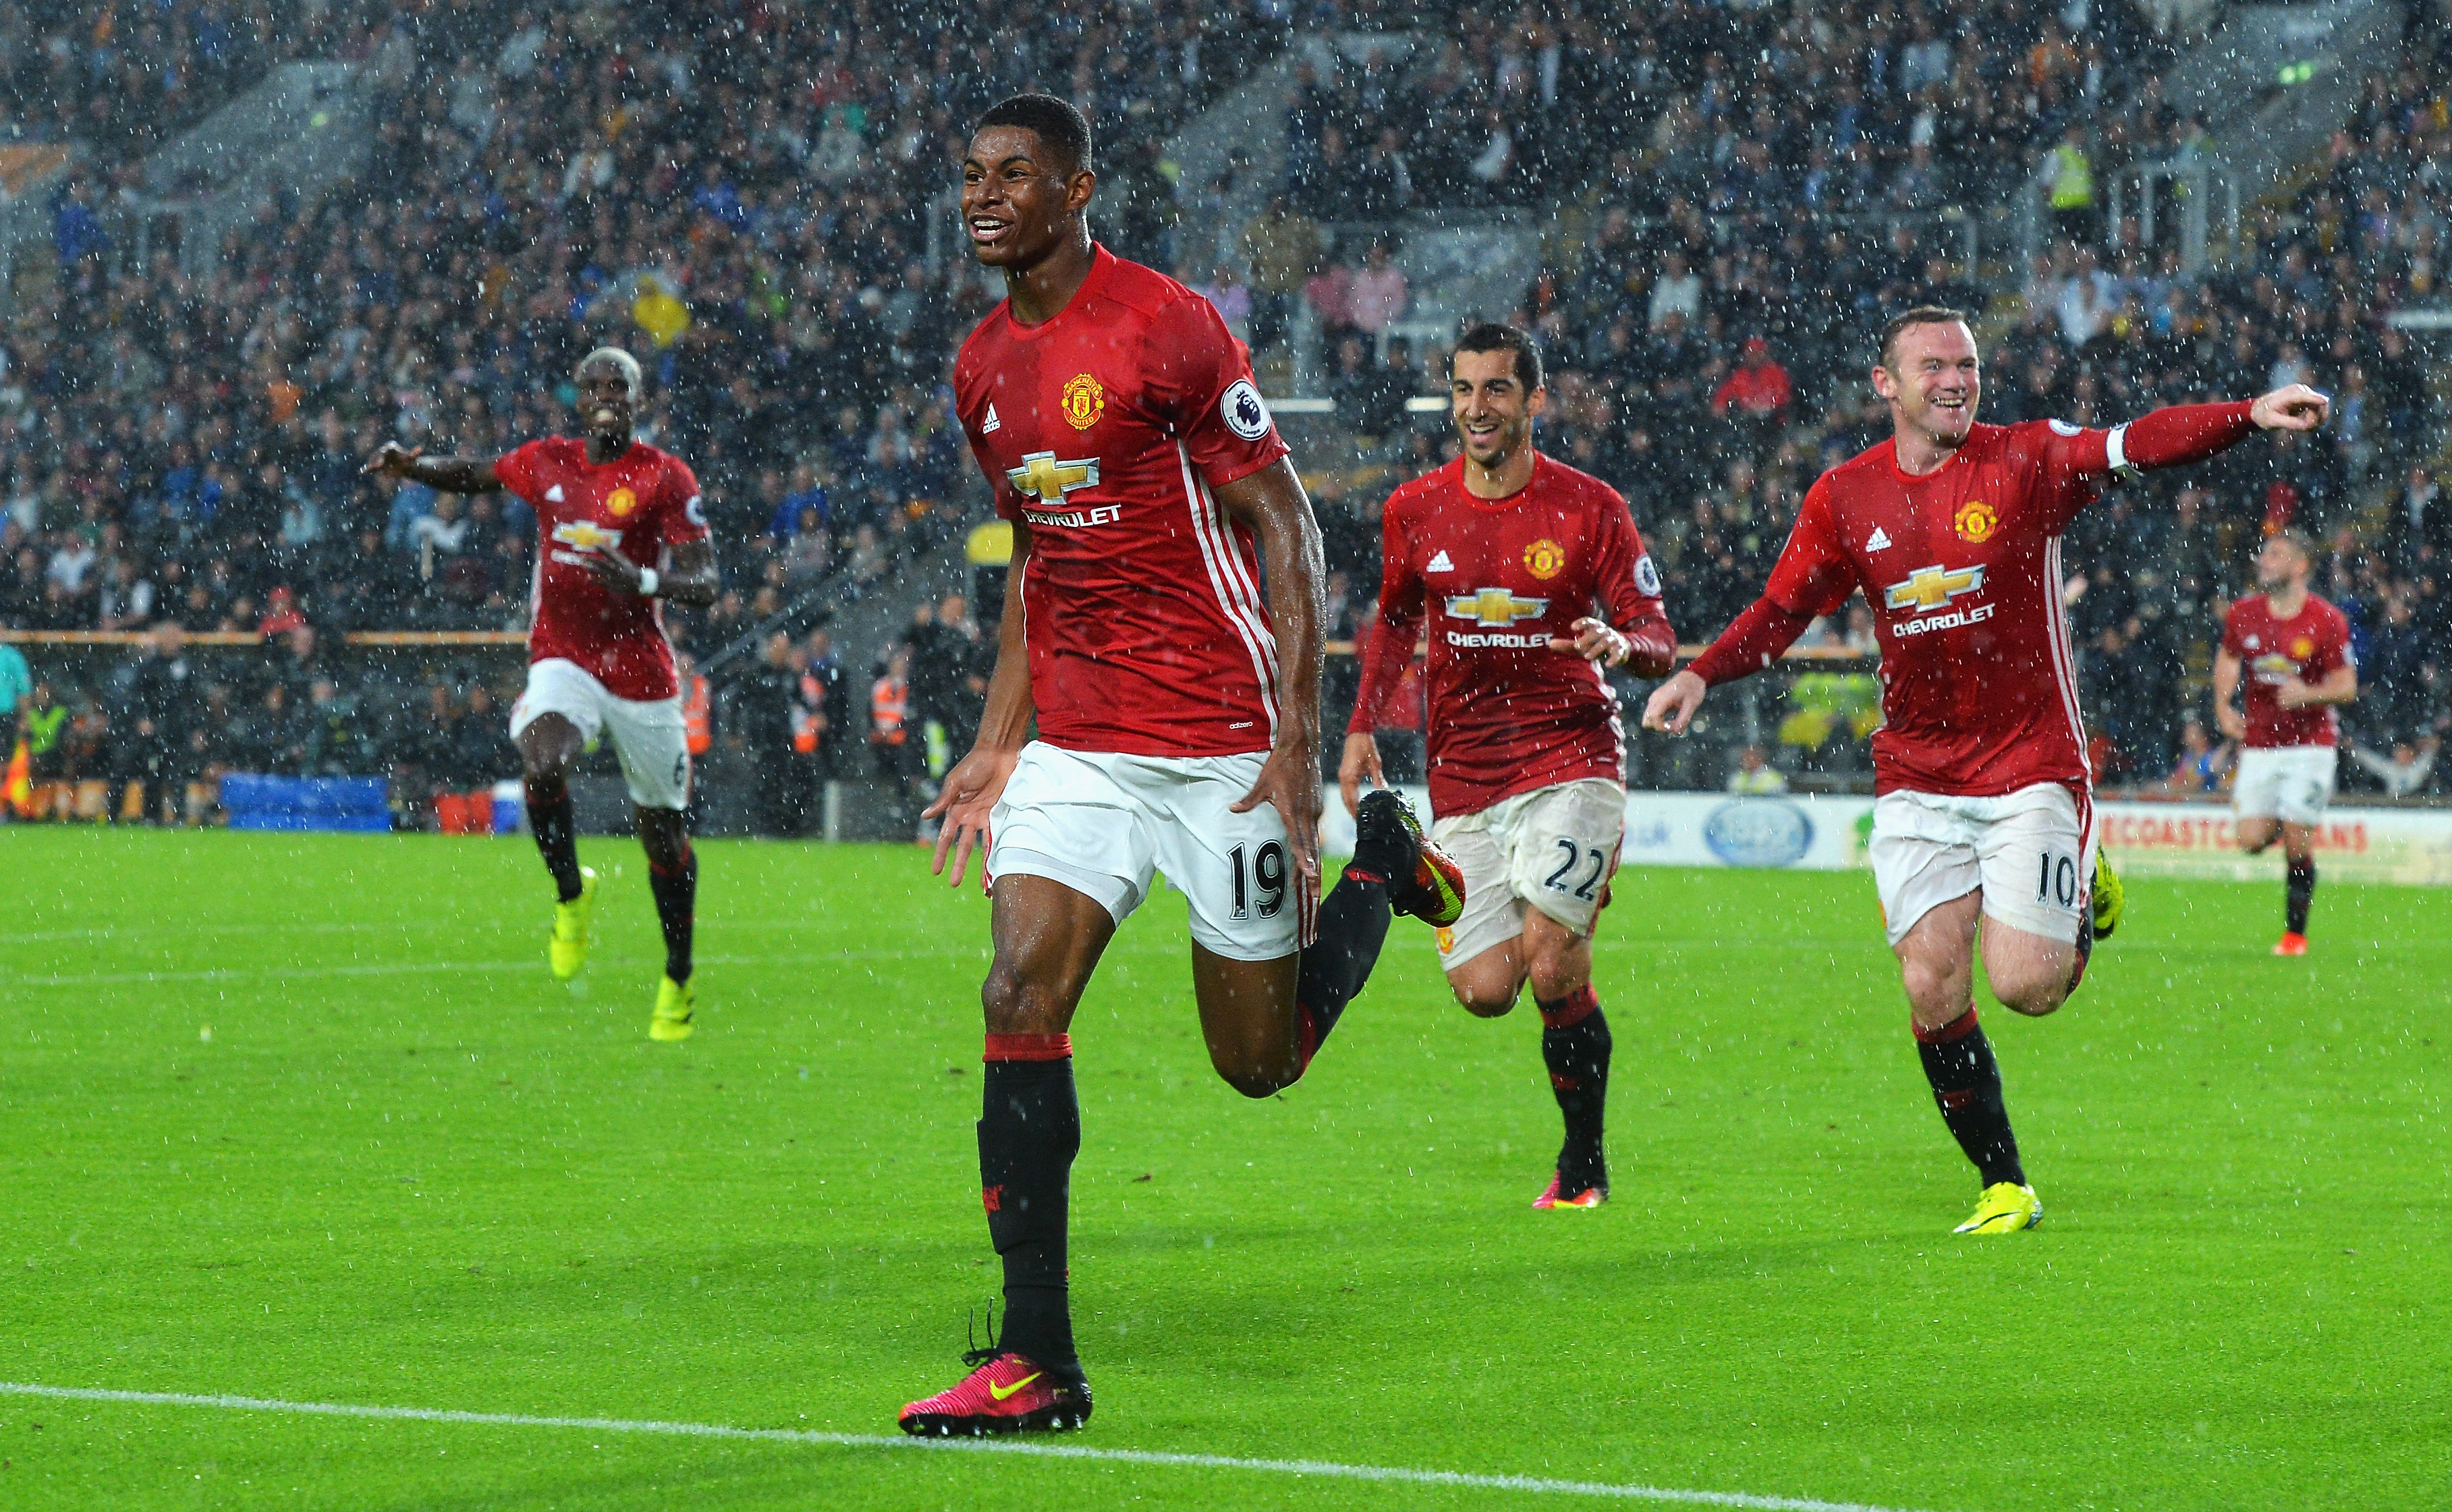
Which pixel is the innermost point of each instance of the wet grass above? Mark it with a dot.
(305, 1118)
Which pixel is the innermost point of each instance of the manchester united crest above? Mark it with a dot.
(2302, 648)
(1544, 559)
(621, 502)
(1084, 400)
(1976, 521)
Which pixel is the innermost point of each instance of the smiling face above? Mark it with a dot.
(1934, 380)
(609, 401)
(1020, 198)
(1492, 413)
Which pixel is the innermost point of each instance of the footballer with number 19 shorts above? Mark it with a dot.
(1983, 804)
(1177, 718)
(2291, 650)
(618, 527)
(1504, 551)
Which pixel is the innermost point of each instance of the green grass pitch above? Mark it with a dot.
(408, 1169)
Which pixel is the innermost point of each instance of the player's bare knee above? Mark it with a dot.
(1258, 1078)
(1485, 999)
(1013, 1003)
(1554, 979)
(2033, 998)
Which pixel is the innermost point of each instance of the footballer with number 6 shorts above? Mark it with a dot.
(1506, 554)
(1984, 807)
(1177, 718)
(2291, 650)
(618, 527)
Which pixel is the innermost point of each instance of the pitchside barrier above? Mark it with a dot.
(1826, 832)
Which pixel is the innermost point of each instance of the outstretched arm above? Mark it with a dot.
(977, 781)
(1273, 502)
(450, 475)
(2185, 433)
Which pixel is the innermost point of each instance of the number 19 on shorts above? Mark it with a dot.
(1266, 874)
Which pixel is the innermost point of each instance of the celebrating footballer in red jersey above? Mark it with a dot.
(1177, 712)
(1505, 553)
(1984, 810)
(2291, 650)
(618, 527)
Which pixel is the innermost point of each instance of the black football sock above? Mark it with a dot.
(1966, 1085)
(1352, 925)
(556, 836)
(2298, 890)
(676, 910)
(1030, 1129)
(1575, 1047)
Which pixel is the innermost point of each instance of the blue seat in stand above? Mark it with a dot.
(253, 802)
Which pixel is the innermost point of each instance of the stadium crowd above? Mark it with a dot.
(749, 205)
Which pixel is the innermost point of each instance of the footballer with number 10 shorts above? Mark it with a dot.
(1177, 718)
(1982, 806)
(619, 528)
(1504, 551)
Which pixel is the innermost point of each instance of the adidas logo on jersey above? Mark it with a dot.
(553, 495)
(990, 424)
(1878, 540)
(1441, 564)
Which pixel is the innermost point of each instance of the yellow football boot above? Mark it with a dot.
(567, 949)
(2005, 1208)
(675, 1003)
(2111, 898)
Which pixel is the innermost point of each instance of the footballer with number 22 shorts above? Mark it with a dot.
(1982, 803)
(1504, 551)
(1177, 718)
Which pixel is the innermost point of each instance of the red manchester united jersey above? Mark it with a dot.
(2308, 646)
(1103, 430)
(637, 505)
(1963, 569)
(1496, 579)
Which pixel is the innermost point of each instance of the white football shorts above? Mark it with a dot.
(1552, 849)
(2030, 853)
(1105, 824)
(648, 735)
(2292, 783)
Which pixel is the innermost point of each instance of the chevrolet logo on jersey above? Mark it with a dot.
(1495, 606)
(1041, 477)
(1931, 587)
(585, 534)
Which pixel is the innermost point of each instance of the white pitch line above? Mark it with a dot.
(1034, 1449)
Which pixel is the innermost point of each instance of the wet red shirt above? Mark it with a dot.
(637, 505)
(1963, 570)
(1494, 579)
(1104, 430)
(2308, 646)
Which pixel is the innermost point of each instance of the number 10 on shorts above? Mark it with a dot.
(2056, 880)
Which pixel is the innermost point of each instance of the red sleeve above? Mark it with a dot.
(2230, 640)
(1198, 380)
(516, 469)
(1813, 575)
(2074, 458)
(1389, 649)
(1753, 640)
(685, 514)
(1630, 590)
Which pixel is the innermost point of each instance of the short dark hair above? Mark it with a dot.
(1921, 315)
(1061, 128)
(1489, 336)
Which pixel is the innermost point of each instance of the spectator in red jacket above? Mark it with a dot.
(1759, 390)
